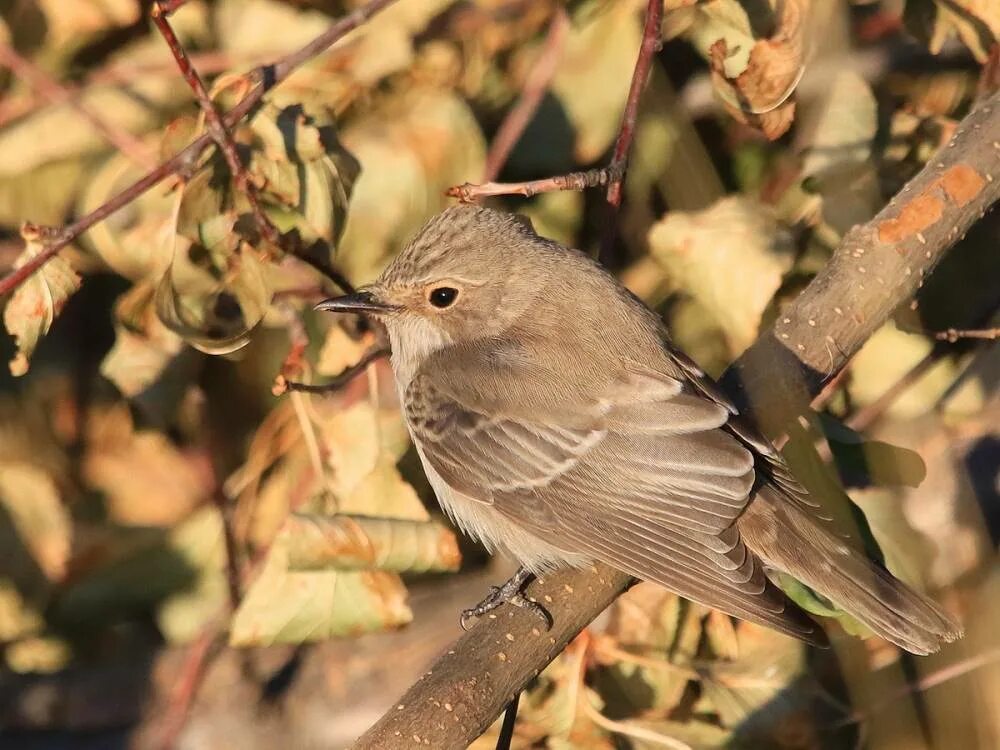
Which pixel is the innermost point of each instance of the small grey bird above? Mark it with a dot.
(555, 421)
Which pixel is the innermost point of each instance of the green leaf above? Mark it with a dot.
(35, 304)
(839, 132)
(348, 542)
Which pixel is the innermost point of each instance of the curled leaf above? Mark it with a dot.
(349, 542)
(759, 94)
(36, 303)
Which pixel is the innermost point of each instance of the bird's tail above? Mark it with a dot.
(786, 537)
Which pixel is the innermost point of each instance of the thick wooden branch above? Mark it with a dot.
(878, 266)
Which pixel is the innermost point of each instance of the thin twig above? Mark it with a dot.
(338, 382)
(941, 676)
(269, 76)
(651, 43)
(234, 577)
(213, 121)
(612, 175)
(535, 86)
(56, 93)
(952, 335)
(470, 192)
(199, 656)
(863, 418)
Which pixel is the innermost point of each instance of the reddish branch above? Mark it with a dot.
(613, 174)
(192, 673)
(877, 267)
(56, 93)
(213, 121)
(267, 77)
(651, 43)
(535, 86)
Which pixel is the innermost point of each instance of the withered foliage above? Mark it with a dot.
(160, 486)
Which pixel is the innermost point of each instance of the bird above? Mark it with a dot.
(557, 423)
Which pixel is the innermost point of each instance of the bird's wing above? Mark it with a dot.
(641, 477)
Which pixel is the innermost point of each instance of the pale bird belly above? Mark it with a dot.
(480, 521)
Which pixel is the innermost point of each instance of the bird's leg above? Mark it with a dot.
(512, 592)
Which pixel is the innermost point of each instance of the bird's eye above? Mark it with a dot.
(443, 296)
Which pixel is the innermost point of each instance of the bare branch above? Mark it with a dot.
(537, 83)
(57, 93)
(213, 122)
(269, 76)
(651, 43)
(469, 192)
(878, 266)
(613, 174)
(335, 384)
(952, 335)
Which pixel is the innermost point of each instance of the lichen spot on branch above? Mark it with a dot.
(960, 184)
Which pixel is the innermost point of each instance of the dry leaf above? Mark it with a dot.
(145, 479)
(346, 542)
(730, 257)
(594, 74)
(760, 93)
(975, 22)
(35, 304)
(31, 503)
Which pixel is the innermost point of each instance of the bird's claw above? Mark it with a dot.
(509, 593)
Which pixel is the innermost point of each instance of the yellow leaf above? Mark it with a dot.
(341, 351)
(284, 606)
(30, 499)
(352, 542)
(729, 257)
(595, 72)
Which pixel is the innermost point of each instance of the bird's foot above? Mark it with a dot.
(510, 592)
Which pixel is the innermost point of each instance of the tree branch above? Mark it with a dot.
(878, 266)
(213, 122)
(269, 76)
(613, 174)
(651, 43)
(469, 192)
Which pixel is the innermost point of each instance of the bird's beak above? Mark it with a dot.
(359, 302)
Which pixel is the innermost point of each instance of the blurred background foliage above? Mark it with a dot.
(189, 560)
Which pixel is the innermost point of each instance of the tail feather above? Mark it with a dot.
(785, 537)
